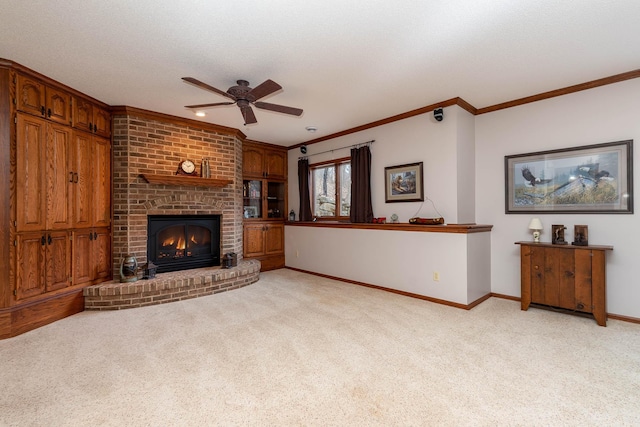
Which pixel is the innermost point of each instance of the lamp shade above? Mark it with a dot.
(535, 224)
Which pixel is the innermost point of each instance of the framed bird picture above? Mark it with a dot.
(588, 179)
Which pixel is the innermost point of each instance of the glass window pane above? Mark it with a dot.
(324, 191)
(345, 189)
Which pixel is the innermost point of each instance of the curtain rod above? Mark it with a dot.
(336, 149)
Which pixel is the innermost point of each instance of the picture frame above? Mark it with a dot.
(250, 211)
(586, 179)
(404, 183)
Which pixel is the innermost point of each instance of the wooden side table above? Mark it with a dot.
(564, 276)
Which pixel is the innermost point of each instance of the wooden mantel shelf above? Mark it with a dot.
(185, 180)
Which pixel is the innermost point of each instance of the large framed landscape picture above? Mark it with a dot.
(587, 179)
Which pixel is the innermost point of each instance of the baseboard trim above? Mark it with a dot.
(396, 291)
(25, 317)
(609, 315)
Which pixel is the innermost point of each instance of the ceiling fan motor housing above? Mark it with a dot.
(241, 91)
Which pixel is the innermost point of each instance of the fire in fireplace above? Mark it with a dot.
(181, 242)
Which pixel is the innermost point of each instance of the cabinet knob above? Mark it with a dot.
(580, 306)
(42, 110)
(49, 240)
(43, 240)
(536, 267)
(49, 112)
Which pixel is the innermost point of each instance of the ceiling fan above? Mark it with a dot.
(245, 96)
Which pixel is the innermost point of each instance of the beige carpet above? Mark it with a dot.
(295, 349)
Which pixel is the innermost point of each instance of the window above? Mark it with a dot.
(331, 183)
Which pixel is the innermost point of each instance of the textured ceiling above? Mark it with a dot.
(344, 63)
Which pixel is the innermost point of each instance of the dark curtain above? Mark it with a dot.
(361, 208)
(303, 185)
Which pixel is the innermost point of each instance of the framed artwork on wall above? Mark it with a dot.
(587, 179)
(404, 183)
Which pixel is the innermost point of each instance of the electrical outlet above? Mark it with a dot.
(436, 276)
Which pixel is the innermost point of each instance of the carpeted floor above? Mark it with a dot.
(295, 349)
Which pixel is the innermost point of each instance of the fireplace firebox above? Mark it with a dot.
(182, 242)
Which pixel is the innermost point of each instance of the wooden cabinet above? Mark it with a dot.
(264, 203)
(261, 161)
(564, 276)
(34, 97)
(91, 255)
(44, 263)
(43, 180)
(89, 117)
(56, 192)
(266, 241)
(92, 180)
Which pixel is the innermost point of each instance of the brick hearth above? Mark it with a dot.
(169, 287)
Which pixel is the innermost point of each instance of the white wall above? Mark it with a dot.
(416, 139)
(402, 260)
(606, 114)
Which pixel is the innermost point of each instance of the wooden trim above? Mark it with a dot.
(448, 228)
(402, 116)
(22, 318)
(124, 110)
(185, 180)
(551, 245)
(396, 291)
(624, 318)
(5, 178)
(559, 92)
(609, 315)
(503, 296)
(50, 82)
(477, 111)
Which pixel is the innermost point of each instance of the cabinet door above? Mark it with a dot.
(101, 250)
(583, 281)
(275, 164)
(30, 271)
(81, 257)
(101, 182)
(58, 106)
(252, 199)
(274, 239)
(58, 260)
(101, 121)
(30, 95)
(253, 240)
(58, 179)
(31, 196)
(253, 161)
(82, 178)
(82, 114)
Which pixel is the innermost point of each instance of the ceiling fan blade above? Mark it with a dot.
(249, 116)
(279, 108)
(264, 89)
(208, 105)
(205, 86)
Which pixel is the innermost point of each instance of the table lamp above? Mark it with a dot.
(536, 226)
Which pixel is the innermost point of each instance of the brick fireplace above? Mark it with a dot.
(147, 143)
(150, 143)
